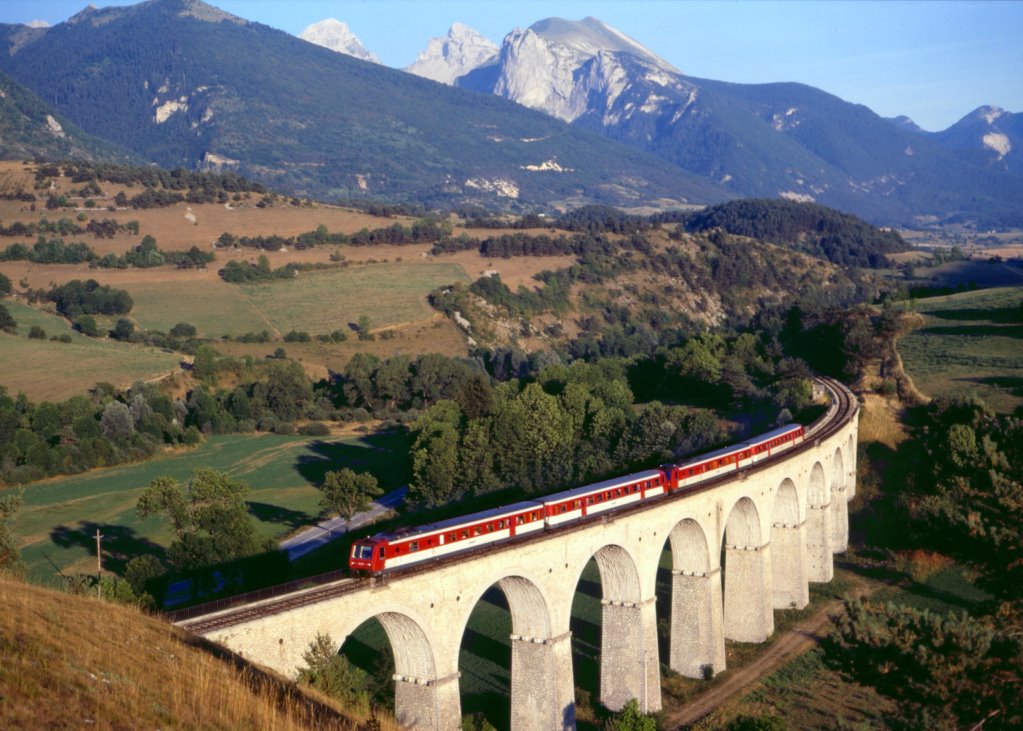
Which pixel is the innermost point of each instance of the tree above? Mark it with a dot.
(208, 514)
(116, 423)
(123, 330)
(7, 323)
(434, 456)
(330, 672)
(5, 285)
(10, 556)
(347, 493)
(204, 365)
(631, 719)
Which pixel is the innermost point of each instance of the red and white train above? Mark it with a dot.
(386, 551)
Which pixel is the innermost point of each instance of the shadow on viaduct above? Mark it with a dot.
(740, 550)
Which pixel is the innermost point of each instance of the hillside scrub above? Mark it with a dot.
(838, 237)
(961, 499)
(72, 661)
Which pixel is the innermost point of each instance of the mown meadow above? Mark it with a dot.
(969, 342)
(60, 516)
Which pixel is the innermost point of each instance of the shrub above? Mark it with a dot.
(86, 324)
(183, 330)
(315, 429)
(37, 333)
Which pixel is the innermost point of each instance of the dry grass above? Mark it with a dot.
(879, 421)
(76, 662)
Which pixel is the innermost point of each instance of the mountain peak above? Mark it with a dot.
(461, 51)
(590, 36)
(337, 36)
(191, 8)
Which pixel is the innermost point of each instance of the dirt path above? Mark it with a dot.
(793, 643)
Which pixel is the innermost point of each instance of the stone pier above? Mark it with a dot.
(748, 595)
(697, 647)
(542, 690)
(789, 567)
(428, 704)
(629, 666)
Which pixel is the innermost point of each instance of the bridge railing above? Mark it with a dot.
(270, 592)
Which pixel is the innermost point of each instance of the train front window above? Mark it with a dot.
(362, 552)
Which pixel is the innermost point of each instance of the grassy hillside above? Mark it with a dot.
(76, 662)
(44, 369)
(969, 342)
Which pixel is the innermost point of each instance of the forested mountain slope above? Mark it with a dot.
(30, 129)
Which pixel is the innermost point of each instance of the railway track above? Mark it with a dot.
(275, 600)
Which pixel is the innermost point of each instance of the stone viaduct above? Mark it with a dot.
(741, 547)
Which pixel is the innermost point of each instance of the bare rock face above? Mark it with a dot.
(336, 36)
(446, 59)
(565, 67)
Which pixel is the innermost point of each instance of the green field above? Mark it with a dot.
(321, 302)
(315, 302)
(215, 307)
(47, 370)
(60, 516)
(971, 342)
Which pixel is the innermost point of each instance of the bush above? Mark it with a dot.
(7, 323)
(285, 428)
(183, 330)
(297, 336)
(192, 436)
(86, 324)
(37, 333)
(315, 429)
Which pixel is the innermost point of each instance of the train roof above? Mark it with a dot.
(471, 519)
(598, 486)
(773, 434)
(712, 455)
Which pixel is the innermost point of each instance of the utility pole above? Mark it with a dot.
(99, 566)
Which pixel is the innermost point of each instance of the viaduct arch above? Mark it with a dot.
(741, 547)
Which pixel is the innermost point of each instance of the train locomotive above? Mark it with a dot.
(386, 551)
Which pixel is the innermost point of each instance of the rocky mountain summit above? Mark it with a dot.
(989, 133)
(337, 36)
(461, 51)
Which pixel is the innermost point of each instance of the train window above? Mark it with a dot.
(413, 546)
(564, 508)
(476, 531)
(500, 524)
(380, 553)
(600, 498)
(465, 533)
(577, 504)
(519, 520)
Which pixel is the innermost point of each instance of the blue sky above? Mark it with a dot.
(933, 61)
